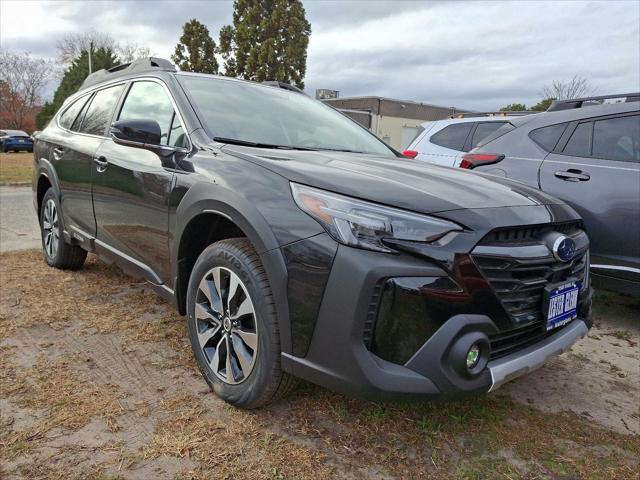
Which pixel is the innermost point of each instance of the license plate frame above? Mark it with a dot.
(560, 304)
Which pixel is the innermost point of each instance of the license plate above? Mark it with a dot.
(20, 141)
(562, 304)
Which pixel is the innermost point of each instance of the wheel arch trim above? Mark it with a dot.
(208, 198)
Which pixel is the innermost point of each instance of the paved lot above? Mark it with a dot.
(18, 222)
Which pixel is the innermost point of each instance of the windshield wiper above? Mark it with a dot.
(340, 150)
(246, 143)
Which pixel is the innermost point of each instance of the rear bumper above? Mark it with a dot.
(17, 146)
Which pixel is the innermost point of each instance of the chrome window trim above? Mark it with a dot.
(114, 83)
(63, 110)
(171, 99)
(91, 135)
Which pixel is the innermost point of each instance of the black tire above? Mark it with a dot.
(265, 382)
(59, 254)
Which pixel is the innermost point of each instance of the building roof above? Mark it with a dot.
(394, 108)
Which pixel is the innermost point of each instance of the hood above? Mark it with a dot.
(398, 182)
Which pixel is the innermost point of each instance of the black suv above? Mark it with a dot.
(300, 245)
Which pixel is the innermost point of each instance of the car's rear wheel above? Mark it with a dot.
(57, 252)
(233, 327)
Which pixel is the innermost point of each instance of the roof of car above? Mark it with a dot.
(496, 118)
(560, 116)
(154, 67)
(14, 132)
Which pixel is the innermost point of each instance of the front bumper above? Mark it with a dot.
(340, 357)
(507, 368)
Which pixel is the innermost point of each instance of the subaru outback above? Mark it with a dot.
(298, 244)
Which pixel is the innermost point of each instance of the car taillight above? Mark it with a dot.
(472, 160)
(410, 153)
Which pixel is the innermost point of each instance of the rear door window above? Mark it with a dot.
(100, 111)
(75, 126)
(617, 139)
(453, 136)
(579, 145)
(70, 114)
(483, 130)
(547, 137)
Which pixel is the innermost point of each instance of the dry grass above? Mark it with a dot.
(314, 434)
(232, 444)
(62, 398)
(98, 299)
(16, 167)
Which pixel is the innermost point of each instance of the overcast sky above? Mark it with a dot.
(478, 55)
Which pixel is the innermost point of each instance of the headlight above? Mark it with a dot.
(365, 225)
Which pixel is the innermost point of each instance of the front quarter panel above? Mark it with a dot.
(257, 200)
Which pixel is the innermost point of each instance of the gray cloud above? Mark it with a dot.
(478, 55)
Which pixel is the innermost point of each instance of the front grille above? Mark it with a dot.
(519, 282)
(508, 342)
(528, 234)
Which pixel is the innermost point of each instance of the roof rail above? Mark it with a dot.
(283, 85)
(587, 101)
(149, 64)
(492, 114)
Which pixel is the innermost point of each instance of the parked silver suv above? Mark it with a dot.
(586, 153)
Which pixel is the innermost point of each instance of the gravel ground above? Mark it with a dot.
(98, 382)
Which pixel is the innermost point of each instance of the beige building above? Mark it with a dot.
(394, 121)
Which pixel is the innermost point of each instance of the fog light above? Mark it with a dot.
(473, 356)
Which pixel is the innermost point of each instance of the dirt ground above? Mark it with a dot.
(97, 382)
(16, 167)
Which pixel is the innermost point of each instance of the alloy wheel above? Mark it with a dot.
(226, 325)
(51, 228)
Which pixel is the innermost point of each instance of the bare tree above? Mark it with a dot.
(577, 87)
(130, 51)
(71, 46)
(23, 78)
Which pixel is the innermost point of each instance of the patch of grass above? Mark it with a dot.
(485, 468)
(341, 410)
(376, 412)
(620, 334)
(16, 167)
(234, 446)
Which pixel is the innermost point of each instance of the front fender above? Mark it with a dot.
(207, 197)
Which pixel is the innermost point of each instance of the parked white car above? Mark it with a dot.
(444, 142)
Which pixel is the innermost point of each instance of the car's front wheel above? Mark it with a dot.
(57, 252)
(233, 327)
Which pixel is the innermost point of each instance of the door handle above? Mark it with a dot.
(57, 153)
(573, 175)
(101, 164)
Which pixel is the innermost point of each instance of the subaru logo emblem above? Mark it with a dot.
(563, 248)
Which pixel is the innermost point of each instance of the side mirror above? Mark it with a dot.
(136, 133)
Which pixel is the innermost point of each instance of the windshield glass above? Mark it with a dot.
(272, 116)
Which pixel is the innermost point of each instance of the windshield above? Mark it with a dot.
(268, 116)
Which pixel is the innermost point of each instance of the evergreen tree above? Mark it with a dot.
(514, 107)
(267, 41)
(542, 105)
(73, 78)
(196, 50)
